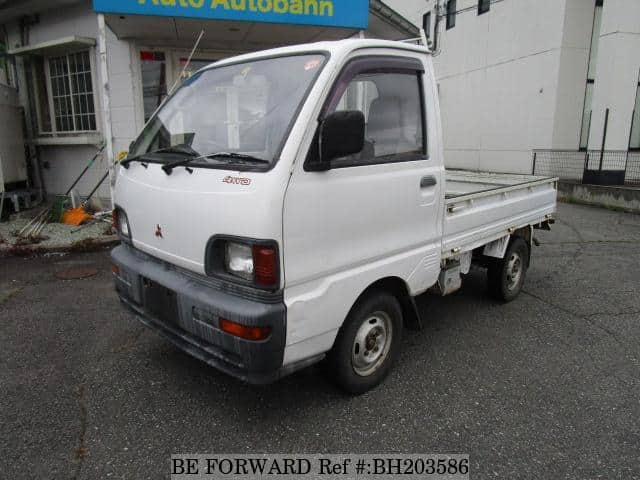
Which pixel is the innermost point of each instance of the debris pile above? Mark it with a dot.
(64, 224)
(40, 234)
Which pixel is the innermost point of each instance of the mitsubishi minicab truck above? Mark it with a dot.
(287, 206)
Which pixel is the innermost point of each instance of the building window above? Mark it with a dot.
(451, 14)
(426, 24)
(154, 81)
(483, 6)
(591, 76)
(634, 141)
(72, 93)
(64, 95)
(595, 40)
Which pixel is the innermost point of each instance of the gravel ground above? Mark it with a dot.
(53, 235)
(545, 387)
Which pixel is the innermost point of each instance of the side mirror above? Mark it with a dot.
(341, 134)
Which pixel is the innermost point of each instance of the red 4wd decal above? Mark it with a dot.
(237, 180)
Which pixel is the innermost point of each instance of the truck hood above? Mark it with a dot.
(173, 217)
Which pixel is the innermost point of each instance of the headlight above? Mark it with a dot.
(124, 226)
(239, 260)
(121, 223)
(254, 262)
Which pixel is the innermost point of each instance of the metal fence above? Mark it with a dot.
(608, 167)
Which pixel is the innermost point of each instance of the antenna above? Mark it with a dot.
(186, 65)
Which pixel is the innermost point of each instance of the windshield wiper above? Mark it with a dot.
(168, 168)
(235, 156)
(182, 148)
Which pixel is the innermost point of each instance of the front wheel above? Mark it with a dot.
(368, 343)
(506, 275)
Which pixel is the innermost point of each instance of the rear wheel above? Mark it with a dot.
(368, 343)
(506, 275)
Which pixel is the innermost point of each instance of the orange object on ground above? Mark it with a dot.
(75, 216)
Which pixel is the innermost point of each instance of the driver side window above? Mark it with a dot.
(392, 106)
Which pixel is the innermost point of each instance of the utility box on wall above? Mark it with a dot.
(13, 166)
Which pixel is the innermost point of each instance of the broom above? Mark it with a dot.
(57, 210)
(77, 216)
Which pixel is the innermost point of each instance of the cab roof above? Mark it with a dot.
(337, 48)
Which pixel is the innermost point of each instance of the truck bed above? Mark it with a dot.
(481, 207)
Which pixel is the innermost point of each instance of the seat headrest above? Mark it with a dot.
(384, 117)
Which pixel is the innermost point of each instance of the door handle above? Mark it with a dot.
(428, 181)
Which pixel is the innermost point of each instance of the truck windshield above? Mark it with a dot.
(244, 109)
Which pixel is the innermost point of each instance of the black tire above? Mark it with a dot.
(347, 359)
(500, 271)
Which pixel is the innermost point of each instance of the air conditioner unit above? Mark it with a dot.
(13, 166)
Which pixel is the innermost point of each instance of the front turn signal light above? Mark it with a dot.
(248, 333)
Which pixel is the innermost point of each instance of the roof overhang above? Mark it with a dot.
(53, 47)
(383, 22)
(221, 34)
(326, 13)
(386, 23)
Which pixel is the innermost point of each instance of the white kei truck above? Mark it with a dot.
(287, 206)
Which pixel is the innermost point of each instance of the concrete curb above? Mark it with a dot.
(615, 198)
(87, 245)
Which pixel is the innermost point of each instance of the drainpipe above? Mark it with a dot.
(436, 28)
(25, 95)
(106, 101)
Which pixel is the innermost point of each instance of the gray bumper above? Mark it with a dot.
(200, 303)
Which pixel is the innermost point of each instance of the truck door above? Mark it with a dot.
(378, 207)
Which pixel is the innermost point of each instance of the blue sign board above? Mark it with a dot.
(330, 13)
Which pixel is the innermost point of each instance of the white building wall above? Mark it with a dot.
(63, 163)
(618, 68)
(124, 72)
(572, 75)
(412, 10)
(498, 75)
(511, 80)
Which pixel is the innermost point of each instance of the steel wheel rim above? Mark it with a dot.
(371, 344)
(514, 271)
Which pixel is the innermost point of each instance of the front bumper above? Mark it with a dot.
(197, 304)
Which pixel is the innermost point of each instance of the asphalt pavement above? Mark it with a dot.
(547, 386)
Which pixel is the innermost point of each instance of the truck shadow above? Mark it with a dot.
(313, 386)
